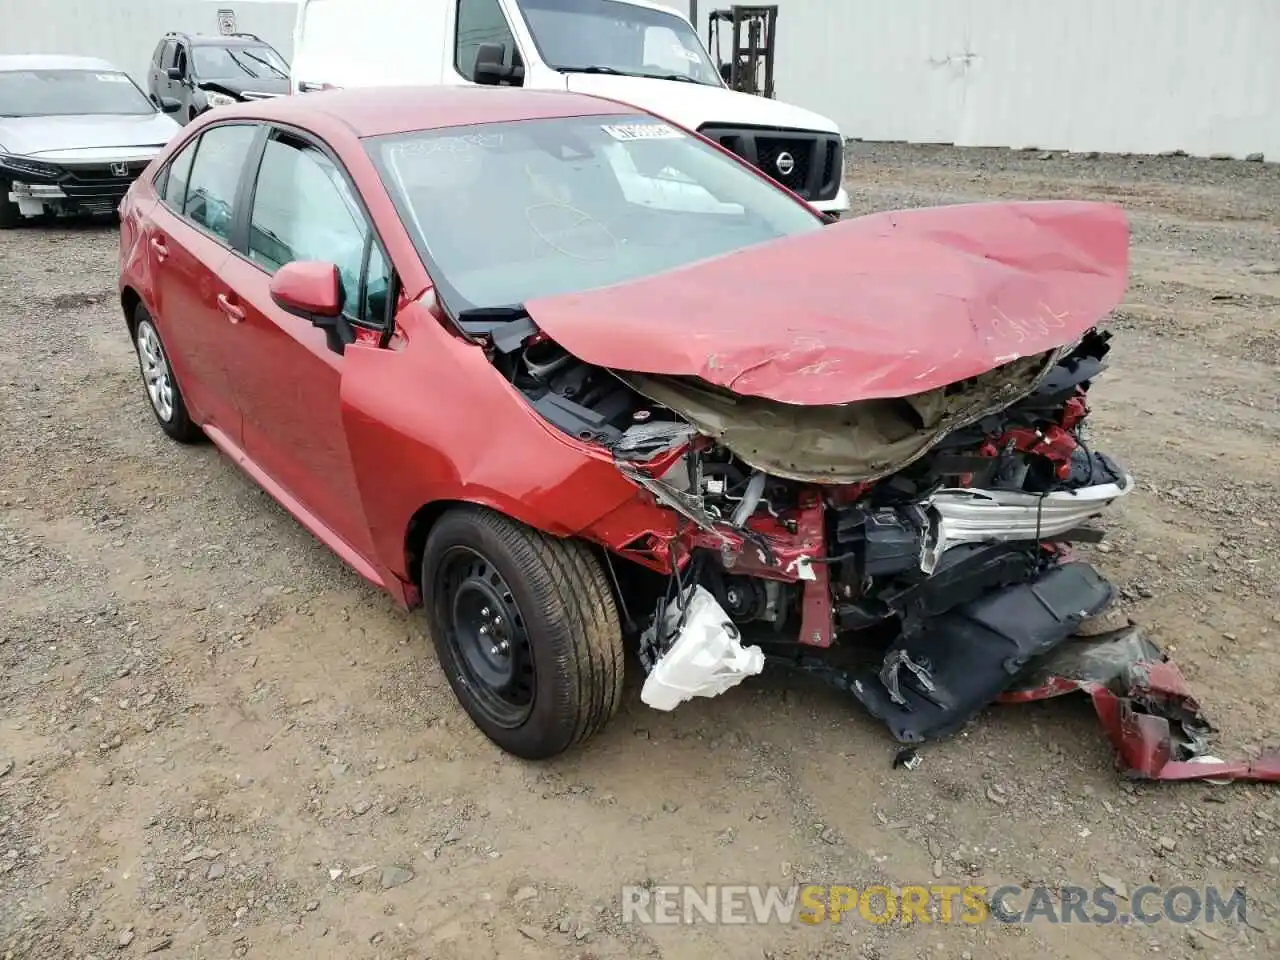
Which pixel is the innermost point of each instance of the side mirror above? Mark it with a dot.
(173, 73)
(170, 105)
(491, 68)
(313, 291)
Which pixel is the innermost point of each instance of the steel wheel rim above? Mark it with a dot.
(486, 636)
(155, 371)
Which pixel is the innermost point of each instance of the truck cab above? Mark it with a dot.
(629, 50)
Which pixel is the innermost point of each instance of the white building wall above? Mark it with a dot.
(126, 31)
(1141, 76)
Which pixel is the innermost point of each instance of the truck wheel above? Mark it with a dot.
(10, 216)
(526, 629)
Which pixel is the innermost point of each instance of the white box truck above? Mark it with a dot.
(634, 51)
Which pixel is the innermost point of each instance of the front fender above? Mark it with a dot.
(429, 419)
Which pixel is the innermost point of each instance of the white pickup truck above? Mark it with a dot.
(630, 50)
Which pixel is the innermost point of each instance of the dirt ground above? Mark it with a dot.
(217, 741)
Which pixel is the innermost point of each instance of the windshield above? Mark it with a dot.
(238, 63)
(66, 93)
(608, 36)
(502, 213)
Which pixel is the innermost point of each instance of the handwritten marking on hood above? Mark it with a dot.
(1021, 328)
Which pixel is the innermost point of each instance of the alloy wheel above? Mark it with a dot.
(155, 371)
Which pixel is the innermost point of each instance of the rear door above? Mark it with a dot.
(189, 242)
(287, 379)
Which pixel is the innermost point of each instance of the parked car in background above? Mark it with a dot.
(572, 377)
(212, 71)
(634, 51)
(74, 134)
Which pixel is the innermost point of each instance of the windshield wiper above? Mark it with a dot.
(597, 68)
(240, 63)
(615, 72)
(266, 63)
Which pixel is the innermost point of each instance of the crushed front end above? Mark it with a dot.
(915, 551)
(875, 475)
(943, 578)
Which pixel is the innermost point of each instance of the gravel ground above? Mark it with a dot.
(216, 741)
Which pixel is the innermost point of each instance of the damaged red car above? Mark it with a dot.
(583, 384)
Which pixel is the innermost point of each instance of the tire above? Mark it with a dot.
(558, 679)
(10, 216)
(163, 393)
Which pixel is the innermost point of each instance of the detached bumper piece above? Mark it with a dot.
(930, 684)
(1148, 713)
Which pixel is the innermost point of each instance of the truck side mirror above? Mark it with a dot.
(491, 68)
(174, 73)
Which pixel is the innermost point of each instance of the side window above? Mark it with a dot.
(215, 177)
(176, 175)
(171, 53)
(303, 210)
(480, 21)
(180, 60)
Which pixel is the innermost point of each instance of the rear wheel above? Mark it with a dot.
(10, 216)
(526, 629)
(157, 376)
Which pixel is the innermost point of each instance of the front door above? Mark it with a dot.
(288, 381)
(188, 243)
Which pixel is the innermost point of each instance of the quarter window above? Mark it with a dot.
(377, 287)
(215, 177)
(480, 21)
(303, 209)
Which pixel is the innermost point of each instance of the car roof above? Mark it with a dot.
(218, 39)
(46, 61)
(378, 111)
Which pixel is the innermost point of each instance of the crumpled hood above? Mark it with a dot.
(37, 136)
(887, 305)
(693, 104)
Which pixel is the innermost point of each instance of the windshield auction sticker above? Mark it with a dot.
(642, 131)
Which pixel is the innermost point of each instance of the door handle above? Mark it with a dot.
(158, 246)
(234, 314)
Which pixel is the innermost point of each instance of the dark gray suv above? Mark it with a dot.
(211, 71)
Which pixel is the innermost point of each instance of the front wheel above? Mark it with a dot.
(526, 629)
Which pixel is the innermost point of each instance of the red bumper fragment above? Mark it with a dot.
(1150, 716)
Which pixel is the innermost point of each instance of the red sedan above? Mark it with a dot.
(569, 375)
